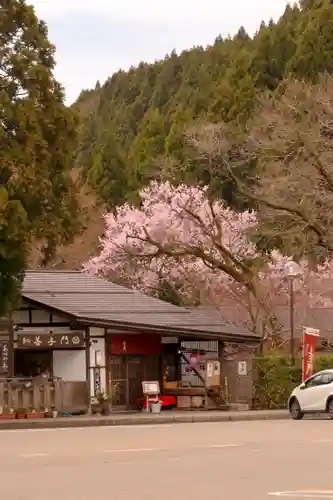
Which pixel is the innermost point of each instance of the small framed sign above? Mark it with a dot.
(242, 368)
(151, 388)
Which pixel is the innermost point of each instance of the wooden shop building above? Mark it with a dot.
(92, 337)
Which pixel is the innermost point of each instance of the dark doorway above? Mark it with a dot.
(135, 376)
(30, 363)
(127, 372)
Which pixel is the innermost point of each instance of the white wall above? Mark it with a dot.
(97, 350)
(70, 365)
(94, 331)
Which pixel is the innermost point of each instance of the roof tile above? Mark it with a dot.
(88, 297)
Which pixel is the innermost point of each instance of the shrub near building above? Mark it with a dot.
(276, 378)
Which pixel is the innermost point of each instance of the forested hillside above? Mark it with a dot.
(133, 124)
(145, 123)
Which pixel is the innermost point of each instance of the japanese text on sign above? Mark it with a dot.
(56, 340)
(150, 388)
(97, 381)
(4, 357)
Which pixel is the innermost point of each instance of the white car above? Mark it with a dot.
(315, 395)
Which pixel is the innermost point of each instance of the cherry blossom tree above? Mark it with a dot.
(202, 249)
(177, 225)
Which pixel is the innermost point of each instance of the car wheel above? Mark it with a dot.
(330, 408)
(296, 412)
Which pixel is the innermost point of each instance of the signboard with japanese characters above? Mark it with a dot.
(97, 380)
(4, 358)
(73, 340)
(151, 388)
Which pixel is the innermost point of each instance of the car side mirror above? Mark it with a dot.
(302, 386)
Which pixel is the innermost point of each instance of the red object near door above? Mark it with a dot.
(167, 402)
(136, 344)
(35, 415)
(7, 416)
(20, 416)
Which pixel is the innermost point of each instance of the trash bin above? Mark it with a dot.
(156, 407)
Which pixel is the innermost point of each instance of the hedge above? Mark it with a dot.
(275, 378)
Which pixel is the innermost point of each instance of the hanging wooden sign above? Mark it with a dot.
(4, 358)
(73, 340)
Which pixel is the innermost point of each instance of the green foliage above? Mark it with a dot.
(276, 377)
(313, 54)
(37, 135)
(13, 250)
(107, 173)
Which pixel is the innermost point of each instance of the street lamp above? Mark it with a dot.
(292, 271)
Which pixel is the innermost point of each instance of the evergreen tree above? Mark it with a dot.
(148, 146)
(314, 53)
(37, 135)
(108, 172)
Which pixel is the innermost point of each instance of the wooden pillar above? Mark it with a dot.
(11, 349)
(6, 347)
(88, 370)
(221, 360)
(224, 385)
(179, 366)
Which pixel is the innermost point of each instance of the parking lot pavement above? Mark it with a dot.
(219, 461)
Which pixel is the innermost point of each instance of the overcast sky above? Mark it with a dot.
(96, 38)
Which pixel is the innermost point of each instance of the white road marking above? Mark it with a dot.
(34, 455)
(143, 450)
(322, 441)
(143, 426)
(203, 446)
(316, 494)
(135, 450)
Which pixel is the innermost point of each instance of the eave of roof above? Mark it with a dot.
(95, 302)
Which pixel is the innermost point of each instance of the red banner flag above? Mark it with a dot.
(310, 336)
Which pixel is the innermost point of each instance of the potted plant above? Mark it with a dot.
(21, 413)
(43, 411)
(32, 413)
(104, 403)
(7, 413)
(48, 412)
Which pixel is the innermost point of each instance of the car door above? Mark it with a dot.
(324, 389)
(310, 393)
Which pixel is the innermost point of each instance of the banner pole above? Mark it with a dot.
(303, 346)
(310, 336)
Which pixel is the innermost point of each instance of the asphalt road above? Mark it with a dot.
(216, 461)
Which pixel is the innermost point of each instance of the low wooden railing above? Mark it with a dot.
(36, 393)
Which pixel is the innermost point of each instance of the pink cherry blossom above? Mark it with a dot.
(179, 236)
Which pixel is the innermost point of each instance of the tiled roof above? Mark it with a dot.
(95, 300)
